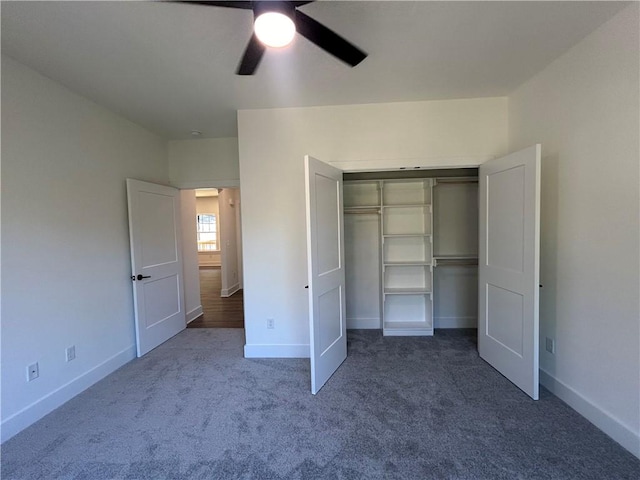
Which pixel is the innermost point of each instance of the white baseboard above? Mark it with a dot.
(276, 351)
(38, 409)
(227, 292)
(364, 323)
(600, 418)
(193, 314)
(455, 322)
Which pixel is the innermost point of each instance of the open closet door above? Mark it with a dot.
(509, 266)
(156, 263)
(325, 258)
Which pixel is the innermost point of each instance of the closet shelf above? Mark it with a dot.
(407, 263)
(405, 235)
(407, 291)
(455, 260)
(406, 205)
(361, 207)
(362, 211)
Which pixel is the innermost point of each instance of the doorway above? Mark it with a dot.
(219, 257)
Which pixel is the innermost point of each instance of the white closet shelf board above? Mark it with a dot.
(407, 291)
(407, 263)
(406, 235)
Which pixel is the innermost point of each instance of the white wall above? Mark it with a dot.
(65, 243)
(584, 109)
(207, 205)
(230, 277)
(272, 144)
(191, 274)
(202, 163)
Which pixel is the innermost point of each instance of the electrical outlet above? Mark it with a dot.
(33, 372)
(550, 345)
(70, 353)
(271, 323)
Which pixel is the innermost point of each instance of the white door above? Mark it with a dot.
(508, 266)
(156, 262)
(325, 257)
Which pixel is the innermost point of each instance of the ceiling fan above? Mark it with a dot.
(291, 21)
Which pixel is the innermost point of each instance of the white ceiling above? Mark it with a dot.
(170, 67)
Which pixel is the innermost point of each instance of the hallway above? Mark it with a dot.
(218, 312)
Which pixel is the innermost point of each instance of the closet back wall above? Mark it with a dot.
(455, 233)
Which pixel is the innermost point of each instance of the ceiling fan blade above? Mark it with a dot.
(248, 5)
(328, 40)
(252, 56)
(299, 4)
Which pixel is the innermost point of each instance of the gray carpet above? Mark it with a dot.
(415, 408)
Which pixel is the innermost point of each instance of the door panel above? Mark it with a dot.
(156, 255)
(505, 213)
(157, 229)
(327, 230)
(162, 299)
(325, 258)
(329, 305)
(505, 318)
(509, 266)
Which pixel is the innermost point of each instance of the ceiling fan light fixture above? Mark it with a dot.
(274, 29)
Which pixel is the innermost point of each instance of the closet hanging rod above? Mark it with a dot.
(362, 211)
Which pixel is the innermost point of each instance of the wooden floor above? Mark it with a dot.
(218, 312)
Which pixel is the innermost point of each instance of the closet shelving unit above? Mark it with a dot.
(407, 257)
(414, 253)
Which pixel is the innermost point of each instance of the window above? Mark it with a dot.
(207, 232)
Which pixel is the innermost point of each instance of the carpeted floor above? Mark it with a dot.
(414, 408)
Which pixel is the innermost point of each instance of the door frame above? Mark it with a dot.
(195, 185)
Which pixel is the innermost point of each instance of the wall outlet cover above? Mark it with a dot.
(33, 372)
(550, 345)
(70, 353)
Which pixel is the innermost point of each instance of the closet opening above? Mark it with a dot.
(411, 250)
